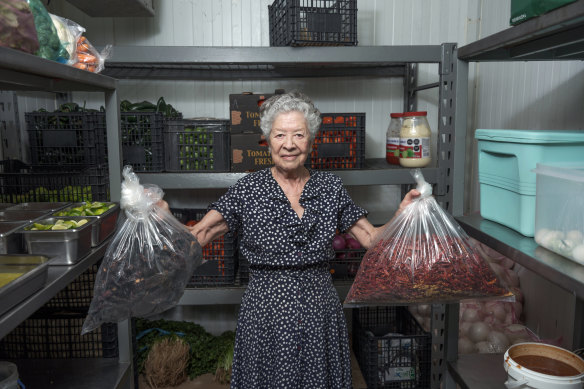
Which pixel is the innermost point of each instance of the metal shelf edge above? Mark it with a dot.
(58, 277)
(559, 270)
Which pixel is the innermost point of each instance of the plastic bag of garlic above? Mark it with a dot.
(488, 326)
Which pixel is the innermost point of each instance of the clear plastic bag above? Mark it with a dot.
(69, 33)
(423, 256)
(17, 29)
(50, 45)
(88, 58)
(148, 263)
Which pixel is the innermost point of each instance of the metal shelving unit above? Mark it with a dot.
(257, 63)
(22, 71)
(556, 35)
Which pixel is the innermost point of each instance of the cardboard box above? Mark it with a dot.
(249, 152)
(244, 111)
(522, 10)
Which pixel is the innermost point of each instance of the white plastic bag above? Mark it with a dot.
(148, 263)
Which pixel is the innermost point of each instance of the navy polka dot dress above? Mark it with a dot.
(291, 331)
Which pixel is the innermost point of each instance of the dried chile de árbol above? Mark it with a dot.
(456, 272)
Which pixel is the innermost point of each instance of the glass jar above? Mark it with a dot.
(392, 138)
(415, 140)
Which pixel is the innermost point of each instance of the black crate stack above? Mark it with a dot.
(68, 160)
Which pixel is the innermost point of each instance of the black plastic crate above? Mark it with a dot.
(71, 140)
(242, 269)
(142, 138)
(346, 263)
(313, 23)
(77, 295)
(59, 336)
(219, 256)
(30, 185)
(392, 349)
(340, 142)
(196, 145)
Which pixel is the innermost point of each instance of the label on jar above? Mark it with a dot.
(415, 148)
(392, 150)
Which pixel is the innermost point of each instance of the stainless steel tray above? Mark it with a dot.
(63, 247)
(40, 206)
(21, 215)
(34, 277)
(11, 241)
(105, 224)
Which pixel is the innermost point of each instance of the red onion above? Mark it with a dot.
(352, 243)
(339, 243)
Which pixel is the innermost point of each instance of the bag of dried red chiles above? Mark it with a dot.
(423, 255)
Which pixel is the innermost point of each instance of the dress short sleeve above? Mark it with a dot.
(349, 212)
(230, 207)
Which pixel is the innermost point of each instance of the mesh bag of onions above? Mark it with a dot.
(148, 263)
(423, 256)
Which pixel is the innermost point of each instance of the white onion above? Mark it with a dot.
(498, 340)
(499, 311)
(465, 346)
(471, 315)
(478, 331)
(540, 235)
(425, 310)
(575, 236)
(463, 328)
(515, 331)
(484, 347)
(578, 253)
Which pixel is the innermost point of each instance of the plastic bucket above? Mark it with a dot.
(8, 375)
(543, 357)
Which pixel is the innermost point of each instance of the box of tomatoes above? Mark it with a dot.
(219, 256)
(340, 142)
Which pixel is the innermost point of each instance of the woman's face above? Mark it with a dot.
(289, 141)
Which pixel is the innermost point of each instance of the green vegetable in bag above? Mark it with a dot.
(50, 45)
(17, 29)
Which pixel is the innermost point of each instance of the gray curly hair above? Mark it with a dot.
(289, 102)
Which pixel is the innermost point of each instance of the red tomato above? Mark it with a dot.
(191, 223)
(327, 120)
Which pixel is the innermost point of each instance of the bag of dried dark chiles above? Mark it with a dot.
(423, 256)
(148, 263)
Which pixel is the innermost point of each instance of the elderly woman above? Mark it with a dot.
(291, 330)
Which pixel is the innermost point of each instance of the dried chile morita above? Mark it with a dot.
(423, 256)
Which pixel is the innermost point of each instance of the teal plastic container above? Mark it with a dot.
(506, 159)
